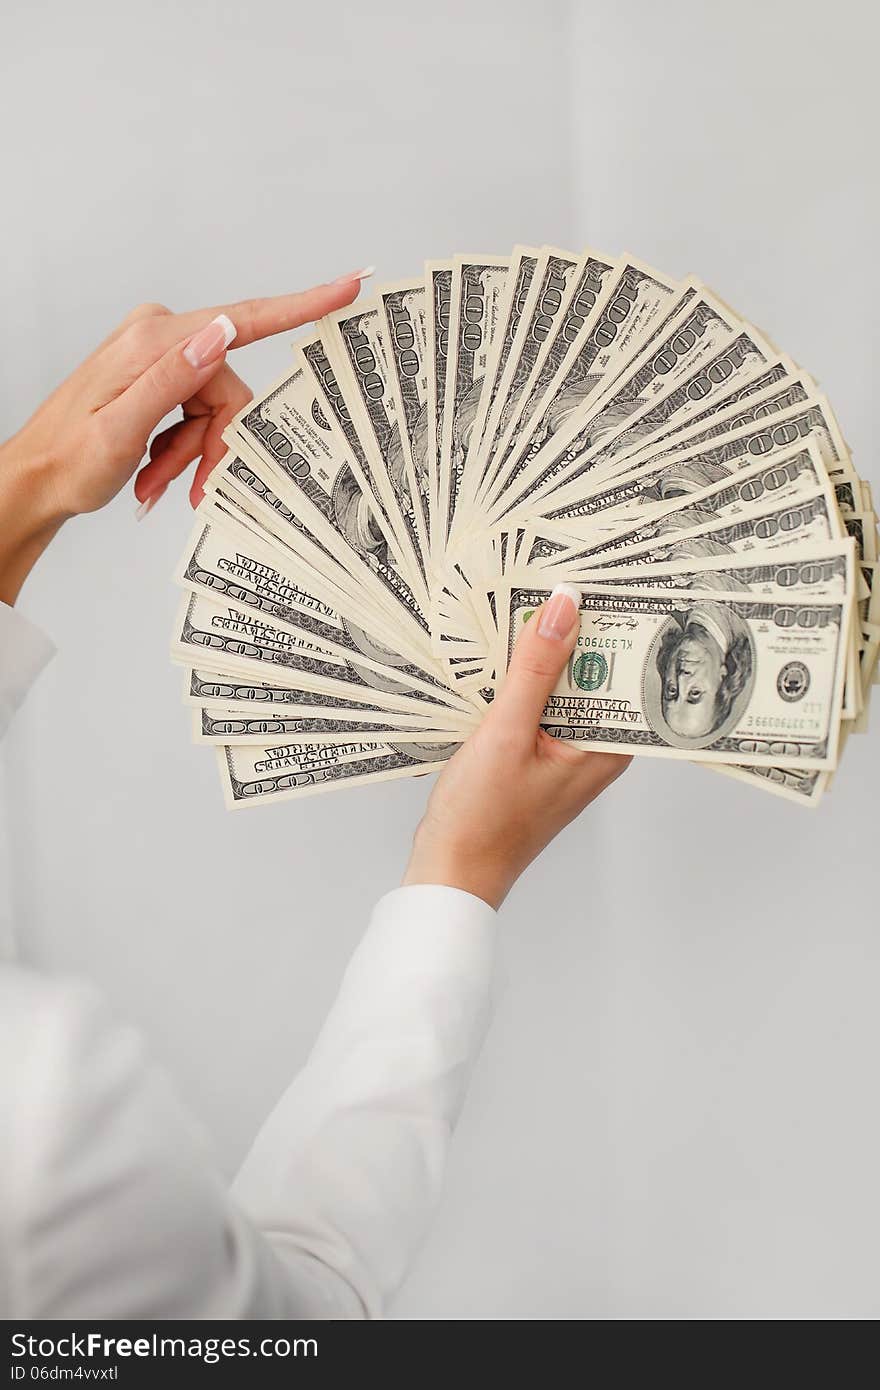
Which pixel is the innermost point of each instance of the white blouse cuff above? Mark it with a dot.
(24, 651)
(435, 926)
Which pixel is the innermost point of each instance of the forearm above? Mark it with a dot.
(29, 514)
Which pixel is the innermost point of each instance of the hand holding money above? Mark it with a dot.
(437, 458)
(512, 787)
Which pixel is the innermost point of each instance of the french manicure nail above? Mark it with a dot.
(560, 612)
(206, 346)
(149, 503)
(355, 275)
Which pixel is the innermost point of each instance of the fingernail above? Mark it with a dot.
(354, 275)
(147, 506)
(560, 612)
(206, 346)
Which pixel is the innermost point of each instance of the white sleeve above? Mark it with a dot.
(24, 651)
(110, 1205)
(349, 1166)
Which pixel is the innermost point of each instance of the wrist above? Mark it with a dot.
(29, 510)
(486, 876)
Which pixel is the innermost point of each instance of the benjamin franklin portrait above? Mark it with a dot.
(395, 460)
(689, 546)
(372, 647)
(699, 674)
(683, 478)
(464, 421)
(355, 518)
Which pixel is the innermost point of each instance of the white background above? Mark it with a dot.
(675, 1113)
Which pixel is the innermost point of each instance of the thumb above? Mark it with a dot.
(173, 378)
(539, 657)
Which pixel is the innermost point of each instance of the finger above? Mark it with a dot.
(137, 315)
(150, 331)
(591, 772)
(260, 318)
(539, 657)
(597, 770)
(206, 465)
(181, 444)
(233, 396)
(180, 373)
(610, 766)
(165, 438)
(213, 453)
(199, 433)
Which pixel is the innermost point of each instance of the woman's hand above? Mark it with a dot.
(511, 787)
(85, 442)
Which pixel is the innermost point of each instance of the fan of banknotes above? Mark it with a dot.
(437, 457)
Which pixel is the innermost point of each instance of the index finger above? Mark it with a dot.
(261, 318)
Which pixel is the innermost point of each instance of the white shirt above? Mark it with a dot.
(110, 1205)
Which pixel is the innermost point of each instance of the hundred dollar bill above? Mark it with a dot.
(478, 286)
(557, 329)
(292, 429)
(255, 776)
(627, 311)
(819, 571)
(232, 726)
(797, 473)
(689, 339)
(438, 286)
(629, 421)
(273, 523)
(690, 469)
(729, 409)
(869, 597)
(356, 341)
(289, 433)
(253, 508)
(845, 492)
(405, 310)
(209, 633)
(241, 487)
(799, 785)
(706, 676)
(862, 528)
(795, 403)
(322, 379)
(501, 425)
(267, 523)
(526, 262)
(244, 491)
(373, 481)
(237, 694)
(804, 788)
(869, 663)
(673, 537)
(541, 305)
(227, 567)
(773, 390)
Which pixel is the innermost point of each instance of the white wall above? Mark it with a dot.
(673, 1114)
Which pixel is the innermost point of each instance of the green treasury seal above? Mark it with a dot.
(589, 670)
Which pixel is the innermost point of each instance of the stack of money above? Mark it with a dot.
(438, 457)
